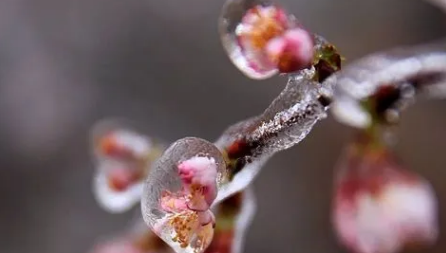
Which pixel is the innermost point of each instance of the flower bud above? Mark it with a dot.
(379, 207)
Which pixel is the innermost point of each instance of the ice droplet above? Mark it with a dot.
(120, 141)
(179, 191)
(123, 158)
(112, 200)
(262, 39)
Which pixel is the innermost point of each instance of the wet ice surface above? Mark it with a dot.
(288, 119)
(244, 219)
(422, 67)
(239, 153)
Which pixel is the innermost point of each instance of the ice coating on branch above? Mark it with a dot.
(179, 191)
(401, 73)
(244, 219)
(262, 39)
(291, 116)
(233, 215)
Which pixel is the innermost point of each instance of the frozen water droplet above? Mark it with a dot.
(262, 39)
(123, 159)
(112, 200)
(179, 192)
(119, 141)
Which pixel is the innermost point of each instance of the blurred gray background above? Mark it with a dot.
(64, 64)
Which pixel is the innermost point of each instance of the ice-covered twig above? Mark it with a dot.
(244, 219)
(393, 78)
(248, 144)
(176, 197)
(233, 215)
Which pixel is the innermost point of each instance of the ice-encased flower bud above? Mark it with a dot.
(123, 157)
(262, 39)
(179, 191)
(292, 51)
(120, 142)
(198, 175)
(110, 198)
(380, 207)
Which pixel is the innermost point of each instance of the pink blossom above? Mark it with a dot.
(381, 208)
(292, 51)
(270, 40)
(173, 204)
(120, 178)
(199, 175)
(206, 218)
(124, 146)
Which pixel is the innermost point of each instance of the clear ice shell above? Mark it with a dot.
(244, 219)
(362, 78)
(231, 16)
(287, 121)
(115, 201)
(164, 177)
(137, 142)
